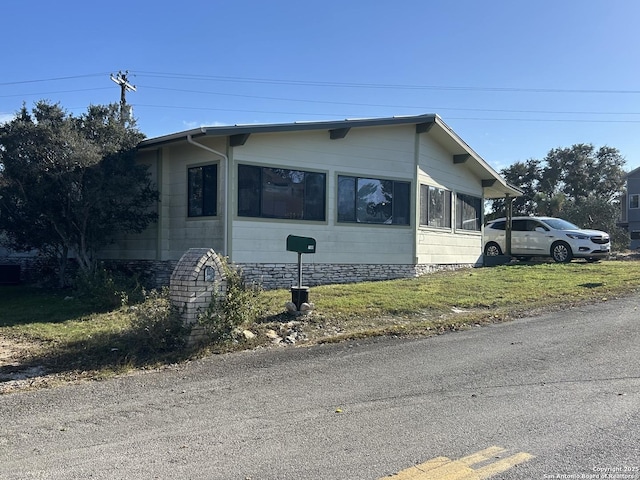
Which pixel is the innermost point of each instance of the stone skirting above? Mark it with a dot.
(271, 275)
(285, 275)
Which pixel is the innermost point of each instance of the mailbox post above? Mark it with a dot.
(300, 245)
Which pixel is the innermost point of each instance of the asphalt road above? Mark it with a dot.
(554, 396)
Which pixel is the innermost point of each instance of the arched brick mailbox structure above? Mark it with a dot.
(197, 277)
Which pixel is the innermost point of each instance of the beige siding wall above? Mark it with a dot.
(390, 152)
(373, 152)
(439, 245)
(175, 232)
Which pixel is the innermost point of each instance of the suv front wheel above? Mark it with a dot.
(561, 252)
(492, 249)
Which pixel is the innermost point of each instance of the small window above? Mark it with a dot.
(468, 212)
(435, 207)
(280, 193)
(500, 225)
(634, 201)
(372, 200)
(203, 191)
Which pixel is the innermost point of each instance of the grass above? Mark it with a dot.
(449, 300)
(67, 337)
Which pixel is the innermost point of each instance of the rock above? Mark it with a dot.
(272, 334)
(248, 334)
(275, 338)
(306, 308)
(291, 307)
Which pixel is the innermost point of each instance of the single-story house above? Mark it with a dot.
(630, 204)
(383, 198)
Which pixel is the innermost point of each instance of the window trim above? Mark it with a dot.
(204, 195)
(355, 177)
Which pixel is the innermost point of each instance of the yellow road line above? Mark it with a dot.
(492, 469)
(443, 468)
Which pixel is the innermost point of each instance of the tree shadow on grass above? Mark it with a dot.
(23, 305)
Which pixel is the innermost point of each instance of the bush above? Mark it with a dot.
(99, 289)
(157, 324)
(239, 306)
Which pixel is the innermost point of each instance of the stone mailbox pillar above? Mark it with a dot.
(198, 276)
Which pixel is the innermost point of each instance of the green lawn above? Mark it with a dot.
(65, 335)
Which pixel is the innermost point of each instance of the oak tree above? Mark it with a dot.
(69, 185)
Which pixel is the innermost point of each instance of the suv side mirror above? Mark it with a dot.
(540, 229)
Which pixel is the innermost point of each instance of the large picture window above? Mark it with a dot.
(468, 212)
(203, 191)
(435, 207)
(371, 200)
(281, 193)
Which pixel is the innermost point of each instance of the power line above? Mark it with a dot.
(58, 91)
(341, 115)
(382, 86)
(123, 82)
(329, 102)
(53, 79)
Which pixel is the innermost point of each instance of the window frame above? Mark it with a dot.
(634, 205)
(425, 200)
(460, 221)
(261, 202)
(209, 199)
(354, 216)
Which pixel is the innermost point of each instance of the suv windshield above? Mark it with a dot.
(559, 224)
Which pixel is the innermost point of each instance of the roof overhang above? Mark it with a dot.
(494, 186)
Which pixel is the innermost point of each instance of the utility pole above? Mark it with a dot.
(122, 80)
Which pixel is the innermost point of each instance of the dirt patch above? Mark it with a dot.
(16, 372)
(13, 352)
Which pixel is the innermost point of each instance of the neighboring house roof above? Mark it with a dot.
(494, 185)
(633, 173)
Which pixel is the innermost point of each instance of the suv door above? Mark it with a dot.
(519, 237)
(538, 238)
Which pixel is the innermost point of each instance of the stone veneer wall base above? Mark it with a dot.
(285, 275)
(276, 275)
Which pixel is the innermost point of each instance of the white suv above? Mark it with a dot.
(546, 237)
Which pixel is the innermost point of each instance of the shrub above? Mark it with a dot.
(108, 289)
(157, 325)
(238, 306)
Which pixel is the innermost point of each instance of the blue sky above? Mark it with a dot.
(513, 78)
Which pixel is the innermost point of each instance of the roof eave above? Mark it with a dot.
(227, 130)
(498, 188)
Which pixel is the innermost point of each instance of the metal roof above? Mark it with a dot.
(225, 130)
